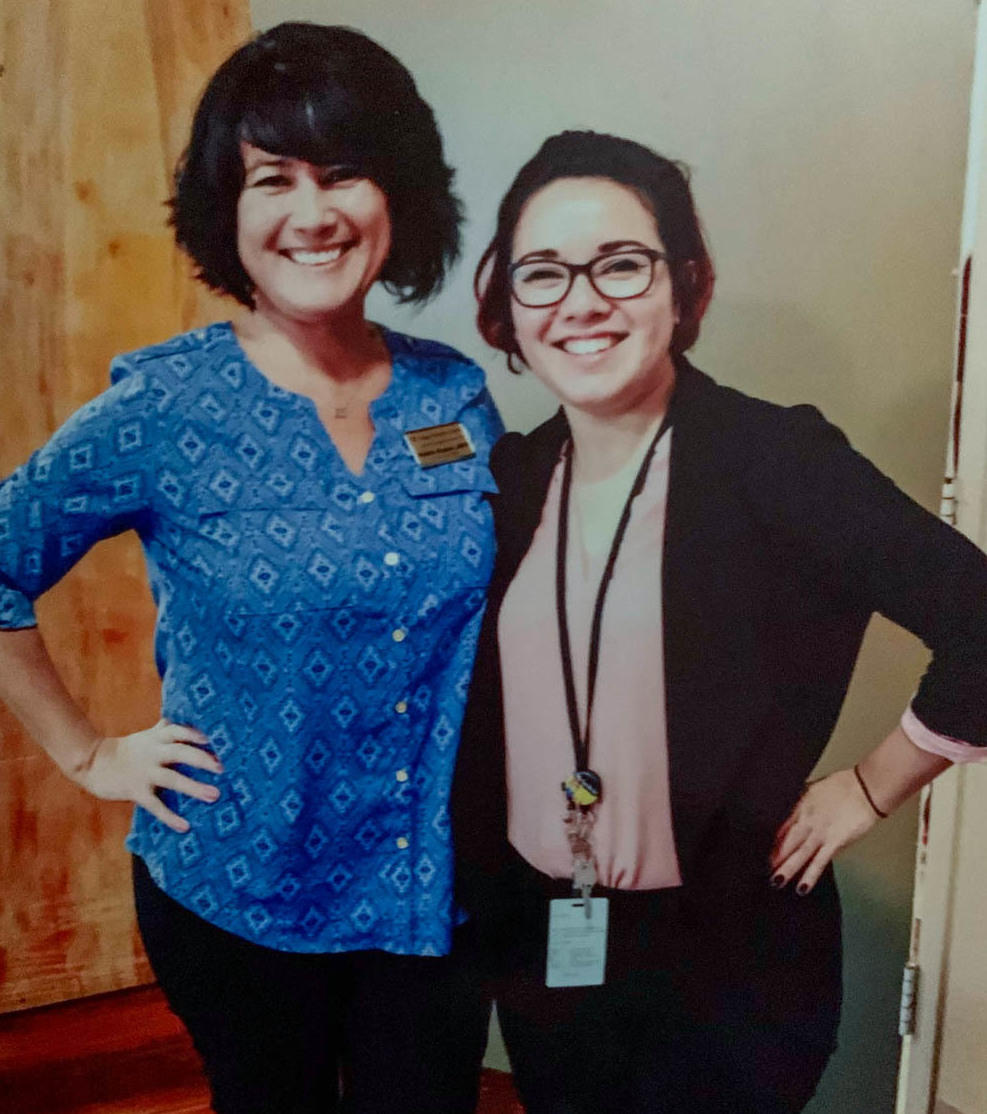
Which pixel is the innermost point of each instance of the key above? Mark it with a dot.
(583, 881)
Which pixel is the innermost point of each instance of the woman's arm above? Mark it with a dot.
(867, 540)
(125, 768)
(88, 483)
(836, 811)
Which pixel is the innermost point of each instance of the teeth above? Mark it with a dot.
(315, 258)
(585, 346)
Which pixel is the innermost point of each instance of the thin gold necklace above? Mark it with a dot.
(341, 409)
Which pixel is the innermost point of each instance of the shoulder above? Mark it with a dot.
(742, 431)
(522, 464)
(160, 373)
(434, 383)
(432, 360)
(127, 423)
(699, 395)
(144, 386)
(797, 473)
(522, 450)
(180, 353)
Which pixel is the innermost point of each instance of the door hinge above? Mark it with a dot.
(947, 501)
(909, 994)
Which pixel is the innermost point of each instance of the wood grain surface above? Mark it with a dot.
(95, 104)
(126, 1053)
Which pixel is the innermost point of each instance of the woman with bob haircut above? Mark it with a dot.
(309, 489)
(683, 579)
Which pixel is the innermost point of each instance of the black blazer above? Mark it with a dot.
(780, 542)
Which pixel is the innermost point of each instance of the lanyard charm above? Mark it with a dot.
(583, 788)
(578, 825)
(578, 822)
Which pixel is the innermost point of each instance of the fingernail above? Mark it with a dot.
(778, 881)
(802, 889)
(213, 793)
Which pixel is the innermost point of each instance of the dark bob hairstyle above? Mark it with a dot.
(662, 186)
(333, 97)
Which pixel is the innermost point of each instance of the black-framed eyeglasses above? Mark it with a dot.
(538, 283)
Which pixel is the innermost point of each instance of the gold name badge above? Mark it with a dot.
(440, 444)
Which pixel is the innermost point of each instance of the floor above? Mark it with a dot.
(125, 1053)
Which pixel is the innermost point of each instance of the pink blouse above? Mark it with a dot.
(632, 835)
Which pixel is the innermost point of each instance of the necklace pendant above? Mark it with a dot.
(340, 411)
(583, 788)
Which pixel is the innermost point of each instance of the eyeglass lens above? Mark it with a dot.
(542, 282)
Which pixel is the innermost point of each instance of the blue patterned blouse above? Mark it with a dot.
(317, 625)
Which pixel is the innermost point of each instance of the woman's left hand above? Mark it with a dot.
(831, 814)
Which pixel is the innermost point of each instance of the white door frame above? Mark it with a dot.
(965, 503)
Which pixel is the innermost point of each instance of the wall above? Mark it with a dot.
(827, 140)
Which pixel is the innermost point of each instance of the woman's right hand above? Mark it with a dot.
(134, 767)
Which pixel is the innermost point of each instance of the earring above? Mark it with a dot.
(511, 366)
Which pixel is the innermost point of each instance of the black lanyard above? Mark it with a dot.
(584, 787)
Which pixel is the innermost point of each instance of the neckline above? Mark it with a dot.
(620, 478)
(304, 402)
(397, 370)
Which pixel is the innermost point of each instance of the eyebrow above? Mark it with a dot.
(279, 162)
(602, 249)
(274, 161)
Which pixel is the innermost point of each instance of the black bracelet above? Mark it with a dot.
(870, 799)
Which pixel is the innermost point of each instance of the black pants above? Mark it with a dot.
(722, 1004)
(284, 1033)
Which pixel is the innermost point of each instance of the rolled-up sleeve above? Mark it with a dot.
(954, 750)
(89, 482)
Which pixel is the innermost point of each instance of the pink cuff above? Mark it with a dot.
(953, 749)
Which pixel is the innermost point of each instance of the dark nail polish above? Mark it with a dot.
(778, 881)
(802, 889)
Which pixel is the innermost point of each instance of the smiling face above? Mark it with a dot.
(604, 356)
(312, 239)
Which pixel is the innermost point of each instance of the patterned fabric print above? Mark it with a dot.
(320, 627)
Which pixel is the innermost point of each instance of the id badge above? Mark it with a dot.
(577, 943)
(440, 444)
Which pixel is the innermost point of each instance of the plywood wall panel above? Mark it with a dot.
(95, 103)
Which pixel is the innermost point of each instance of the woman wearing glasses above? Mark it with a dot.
(683, 580)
